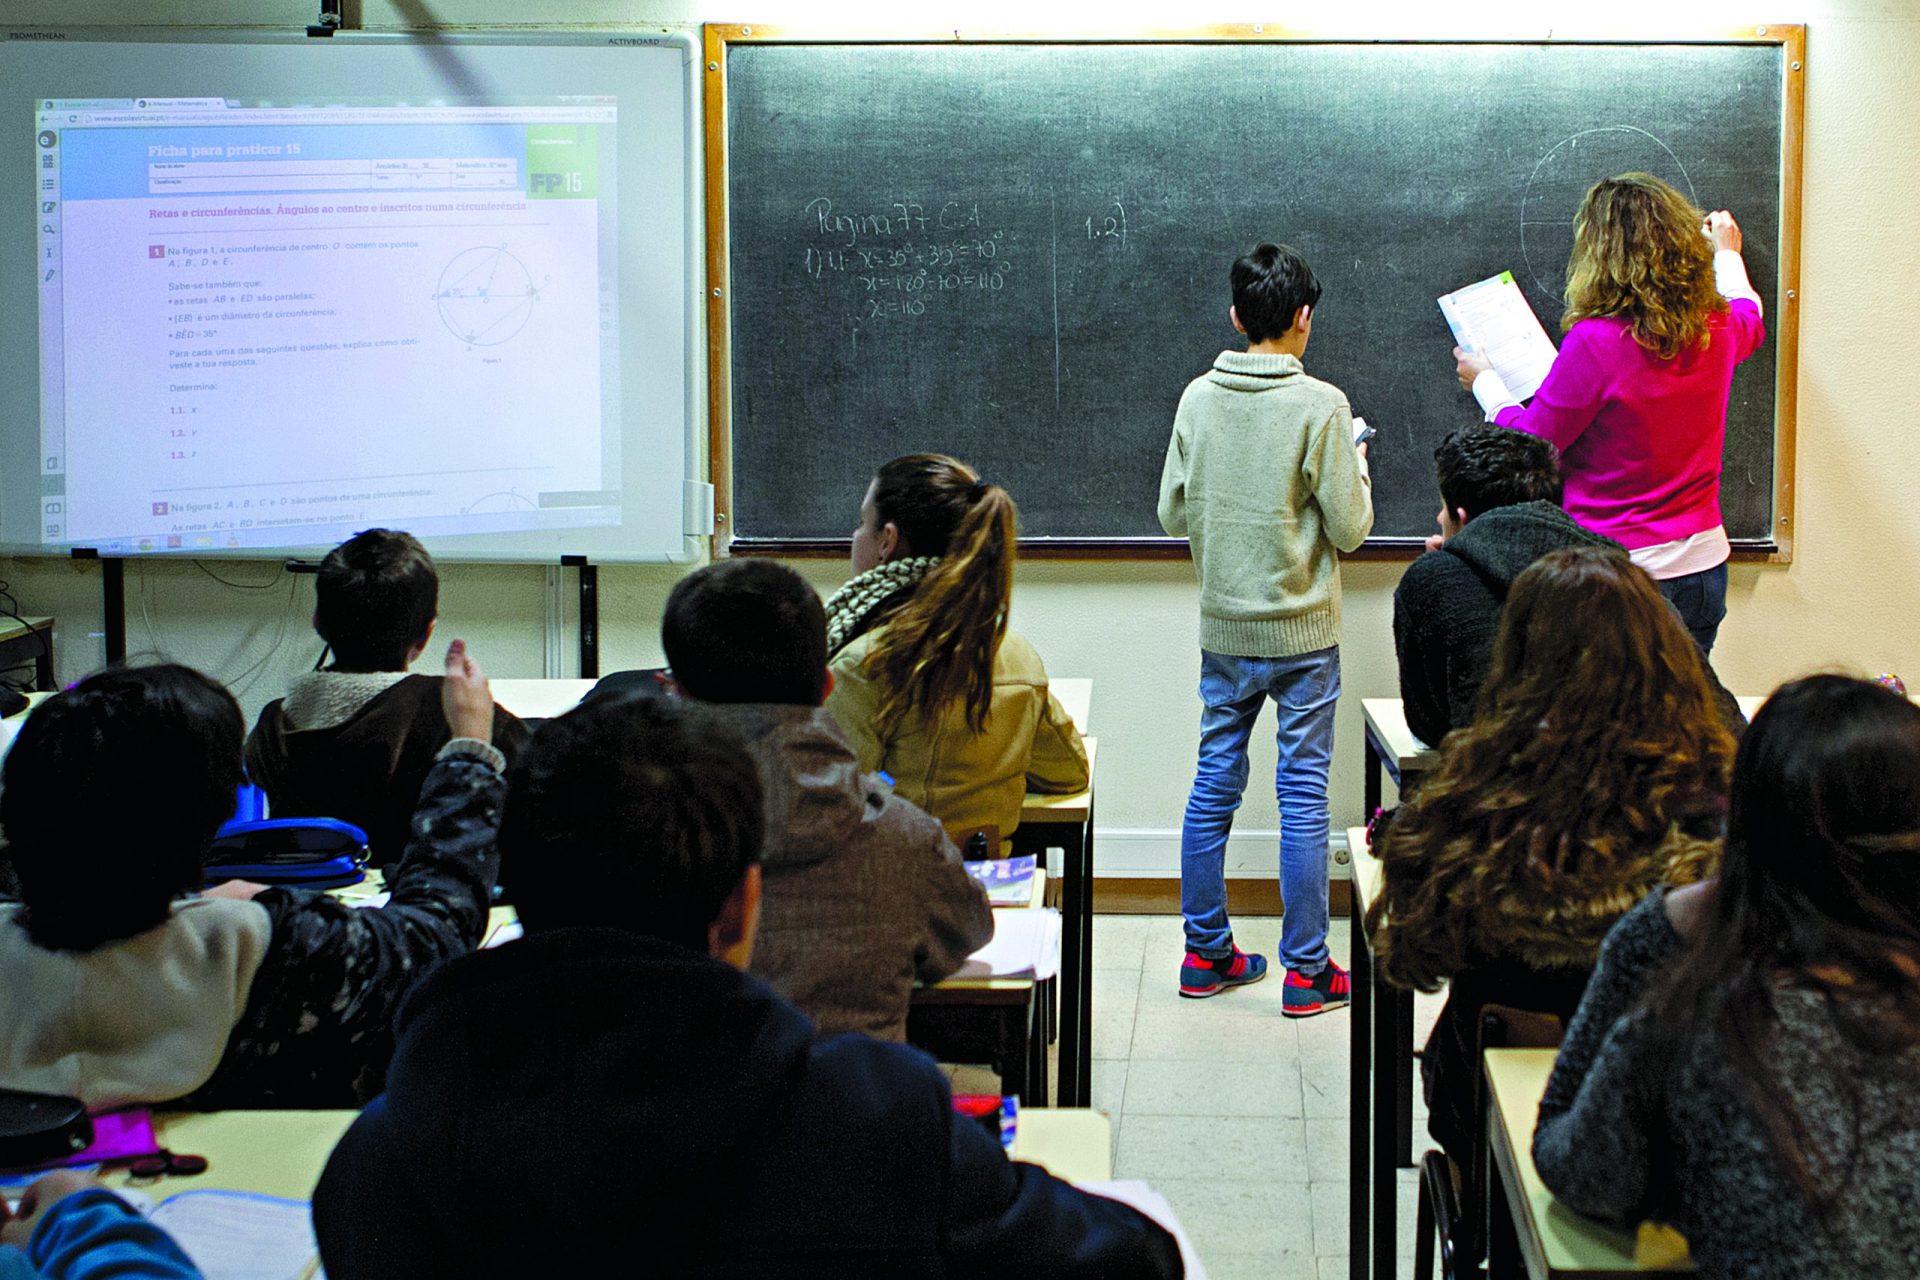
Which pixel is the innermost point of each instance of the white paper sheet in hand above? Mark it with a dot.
(236, 1235)
(1492, 319)
(1155, 1206)
(1024, 943)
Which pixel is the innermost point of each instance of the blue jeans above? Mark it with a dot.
(1304, 688)
(1701, 601)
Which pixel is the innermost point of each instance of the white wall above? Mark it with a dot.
(1846, 601)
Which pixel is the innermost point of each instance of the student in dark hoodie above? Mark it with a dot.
(864, 891)
(355, 741)
(1499, 512)
(614, 1086)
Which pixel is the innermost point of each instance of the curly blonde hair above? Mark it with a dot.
(1639, 255)
(1596, 743)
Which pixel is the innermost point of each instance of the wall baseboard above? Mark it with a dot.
(1152, 896)
(1150, 853)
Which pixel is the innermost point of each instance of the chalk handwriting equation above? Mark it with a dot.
(893, 258)
(896, 257)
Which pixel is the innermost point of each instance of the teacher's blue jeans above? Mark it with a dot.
(1303, 688)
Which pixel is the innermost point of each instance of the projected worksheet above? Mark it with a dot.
(268, 317)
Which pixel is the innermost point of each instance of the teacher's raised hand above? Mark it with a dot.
(1723, 230)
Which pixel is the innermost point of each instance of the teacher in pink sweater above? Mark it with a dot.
(1658, 314)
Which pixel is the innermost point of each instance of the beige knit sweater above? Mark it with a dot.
(1263, 479)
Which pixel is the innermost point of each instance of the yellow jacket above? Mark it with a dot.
(960, 777)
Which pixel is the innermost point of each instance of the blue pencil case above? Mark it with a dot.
(306, 853)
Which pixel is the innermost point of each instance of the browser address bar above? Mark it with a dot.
(354, 115)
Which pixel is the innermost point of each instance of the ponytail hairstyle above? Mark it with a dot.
(938, 647)
(1639, 255)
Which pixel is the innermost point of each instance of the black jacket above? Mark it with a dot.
(586, 1095)
(1447, 608)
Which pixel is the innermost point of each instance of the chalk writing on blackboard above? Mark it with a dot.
(1560, 179)
(889, 262)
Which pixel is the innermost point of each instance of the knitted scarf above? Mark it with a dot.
(849, 607)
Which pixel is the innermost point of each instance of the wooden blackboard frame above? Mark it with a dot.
(720, 38)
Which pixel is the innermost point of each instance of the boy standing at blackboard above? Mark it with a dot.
(1265, 481)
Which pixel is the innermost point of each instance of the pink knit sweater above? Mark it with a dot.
(1640, 437)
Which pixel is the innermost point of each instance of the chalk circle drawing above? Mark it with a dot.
(1560, 180)
(486, 295)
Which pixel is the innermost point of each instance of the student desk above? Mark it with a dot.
(273, 1153)
(1555, 1242)
(1380, 1098)
(28, 641)
(969, 1019)
(1392, 746)
(281, 1153)
(1046, 821)
(10, 727)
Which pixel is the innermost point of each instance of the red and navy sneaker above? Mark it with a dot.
(1204, 976)
(1305, 996)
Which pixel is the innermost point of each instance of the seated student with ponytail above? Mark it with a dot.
(1746, 1062)
(929, 683)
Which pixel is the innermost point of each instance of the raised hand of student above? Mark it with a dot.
(465, 696)
(40, 1197)
(1723, 230)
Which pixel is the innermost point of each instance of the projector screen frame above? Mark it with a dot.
(680, 508)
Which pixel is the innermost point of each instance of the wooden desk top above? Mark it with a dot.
(1366, 871)
(1068, 1142)
(13, 630)
(1387, 723)
(281, 1153)
(10, 727)
(1555, 1241)
(273, 1153)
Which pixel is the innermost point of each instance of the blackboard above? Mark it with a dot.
(1017, 253)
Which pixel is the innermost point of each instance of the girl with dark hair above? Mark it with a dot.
(1659, 311)
(1595, 768)
(928, 681)
(1746, 1063)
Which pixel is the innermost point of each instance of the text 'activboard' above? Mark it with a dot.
(1017, 252)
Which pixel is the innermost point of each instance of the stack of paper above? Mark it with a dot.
(236, 1235)
(1155, 1206)
(1024, 944)
(1492, 319)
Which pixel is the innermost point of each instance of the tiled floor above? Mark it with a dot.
(1236, 1114)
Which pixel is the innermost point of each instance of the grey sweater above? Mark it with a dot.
(1263, 479)
(1626, 1135)
(864, 891)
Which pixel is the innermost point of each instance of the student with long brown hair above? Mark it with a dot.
(928, 681)
(1659, 311)
(1595, 768)
(1746, 1064)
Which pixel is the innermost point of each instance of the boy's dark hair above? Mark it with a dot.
(1483, 467)
(110, 796)
(633, 813)
(374, 598)
(1269, 286)
(746, 631)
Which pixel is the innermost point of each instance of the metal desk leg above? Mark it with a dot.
(1385, 1138)
(1360, 1069)
(1082, 1046)
(1403, 1077)
(1370, 778)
